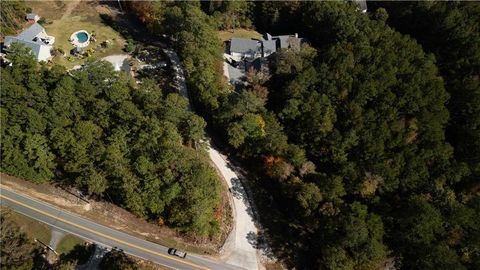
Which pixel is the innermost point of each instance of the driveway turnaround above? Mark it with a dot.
(102, 235)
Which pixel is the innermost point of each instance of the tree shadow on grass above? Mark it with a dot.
(80, 253)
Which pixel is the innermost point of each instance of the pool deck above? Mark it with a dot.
(75, 42)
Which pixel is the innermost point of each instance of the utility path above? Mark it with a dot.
(71, 5)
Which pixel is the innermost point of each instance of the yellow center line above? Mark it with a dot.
(104, 235)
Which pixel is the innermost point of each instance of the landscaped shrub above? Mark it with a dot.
(42, 21)
(108, 20)
(129, 46)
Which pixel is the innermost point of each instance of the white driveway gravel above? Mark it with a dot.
(241, 244)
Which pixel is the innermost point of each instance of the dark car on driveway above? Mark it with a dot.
(175, 252)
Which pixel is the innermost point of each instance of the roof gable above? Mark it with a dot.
(31, 32)
(34, 46)
(240, 45)
(269, 46)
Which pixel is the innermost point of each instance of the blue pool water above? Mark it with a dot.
(82, 37)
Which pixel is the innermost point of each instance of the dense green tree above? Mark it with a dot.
(118, 260)
(193, 129)
(450, 30)
(230, 14)
(16, 247)
(95, 129)
(12, 14)
(348, 134)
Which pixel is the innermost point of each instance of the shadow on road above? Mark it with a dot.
(259, 242)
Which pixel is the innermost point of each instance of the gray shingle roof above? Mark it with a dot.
(34, 46)
(284, 40)
(269, 47)
(27, 38)
(240, 45)
(31, 32)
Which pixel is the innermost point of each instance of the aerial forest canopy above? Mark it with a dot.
(12, 16)
(95, 129)
(347, 135)
(363, 145)
(451, 31)
(368, 107)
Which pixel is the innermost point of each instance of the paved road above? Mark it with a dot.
(103, 235)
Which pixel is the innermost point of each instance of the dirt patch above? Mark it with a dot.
(52, 11)
(70, 6)
(111, 215)
(147, 265)
(102, 9)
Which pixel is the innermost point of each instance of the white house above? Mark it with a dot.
(35, 38)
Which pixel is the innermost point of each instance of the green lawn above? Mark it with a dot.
(68, 243)
(34, 229)
(238, 33)
(84, 16)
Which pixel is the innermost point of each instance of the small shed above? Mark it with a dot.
(32, 17)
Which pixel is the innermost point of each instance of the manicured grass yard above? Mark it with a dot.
(238, 33)
(34, 229)
(68, 242)
(84, 16)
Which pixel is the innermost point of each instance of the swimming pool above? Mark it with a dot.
(82, 37)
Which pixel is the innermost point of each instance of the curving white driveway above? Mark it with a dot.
(244, 233)
(240, 244)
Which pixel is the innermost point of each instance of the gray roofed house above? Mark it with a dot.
(285, 41)
(245, 48)
(282, 41)
(34, 38)
(244, 54)
(269, 47)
